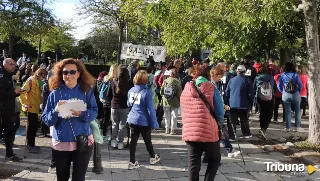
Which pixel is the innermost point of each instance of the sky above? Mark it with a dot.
(65, 10)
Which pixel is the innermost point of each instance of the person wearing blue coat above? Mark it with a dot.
(141, 118)
(290, 99)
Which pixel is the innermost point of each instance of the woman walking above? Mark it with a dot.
(117, 93)
(290, 86)
(141, 118)
(200, 129)
(264, 86)
(72, 137)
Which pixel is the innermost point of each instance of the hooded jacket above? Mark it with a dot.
(198, 124)
(31, 98)
(81, 125)
(142, 112)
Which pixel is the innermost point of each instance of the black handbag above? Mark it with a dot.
(81, 140)
(223, 131)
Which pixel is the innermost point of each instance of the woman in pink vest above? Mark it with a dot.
(200, 130)
(304, 92)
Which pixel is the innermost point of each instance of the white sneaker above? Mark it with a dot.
(154, 160)
(134, 165)
(234, 153)
(114, 143)
(120, 146)
(52, 170)
(298, 129)
(287, 129)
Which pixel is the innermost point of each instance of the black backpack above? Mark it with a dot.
(291, 87)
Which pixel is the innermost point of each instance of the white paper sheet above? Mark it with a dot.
(65, 109)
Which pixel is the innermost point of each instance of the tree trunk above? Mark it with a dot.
(11, 42)
(311, 27)
(284, 56)
(120, 43)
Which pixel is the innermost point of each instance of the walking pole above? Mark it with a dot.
(26, 140)
(235, 136)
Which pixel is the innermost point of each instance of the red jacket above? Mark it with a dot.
(304, 81)
(198, 124)
(276, 78)
(256, 65)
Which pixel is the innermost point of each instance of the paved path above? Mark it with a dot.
(173, 165)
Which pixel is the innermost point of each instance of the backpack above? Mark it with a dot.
(291, 87)
(168, 92)
(103, 91)
(265, 91)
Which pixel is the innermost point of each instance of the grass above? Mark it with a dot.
(307, 146)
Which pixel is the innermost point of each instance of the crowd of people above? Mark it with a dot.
(122, 99)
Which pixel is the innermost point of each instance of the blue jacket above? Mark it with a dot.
(142, 112)
(218, 105)
(240, 92)
(81, 125)
(284, 79)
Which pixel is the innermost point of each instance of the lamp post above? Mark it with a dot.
(39, 46)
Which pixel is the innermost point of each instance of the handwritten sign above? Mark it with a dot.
(142, 52)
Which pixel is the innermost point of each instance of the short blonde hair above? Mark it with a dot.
(141, 78)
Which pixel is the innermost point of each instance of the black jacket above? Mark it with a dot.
(7, 93)
(45, 94)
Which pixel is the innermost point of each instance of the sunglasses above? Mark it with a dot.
(71, 72)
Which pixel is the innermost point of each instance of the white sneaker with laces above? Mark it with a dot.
(120, 146)
(154, 160)
(134, 165)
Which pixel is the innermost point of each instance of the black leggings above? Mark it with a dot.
(63, 161)
(145, 131)
(32, 128)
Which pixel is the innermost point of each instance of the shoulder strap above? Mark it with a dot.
(74, 135)
(205, 101)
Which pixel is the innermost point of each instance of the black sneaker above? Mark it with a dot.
(13, 158)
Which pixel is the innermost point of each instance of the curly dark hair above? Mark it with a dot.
(85, 80)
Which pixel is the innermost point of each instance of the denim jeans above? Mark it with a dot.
(294, 101)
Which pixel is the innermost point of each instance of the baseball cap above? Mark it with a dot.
(241, 68)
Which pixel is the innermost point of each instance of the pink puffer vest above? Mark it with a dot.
(198, 124)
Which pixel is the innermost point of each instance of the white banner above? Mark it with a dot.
(142, 52)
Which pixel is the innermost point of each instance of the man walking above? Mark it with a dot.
(240, 94)
(7, 106)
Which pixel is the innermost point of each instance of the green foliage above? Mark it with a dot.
(230, 28)
(23, 18)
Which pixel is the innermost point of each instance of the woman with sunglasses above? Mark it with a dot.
(70, 81)
(30, 100)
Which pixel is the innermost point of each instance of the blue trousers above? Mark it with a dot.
(291, 100)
